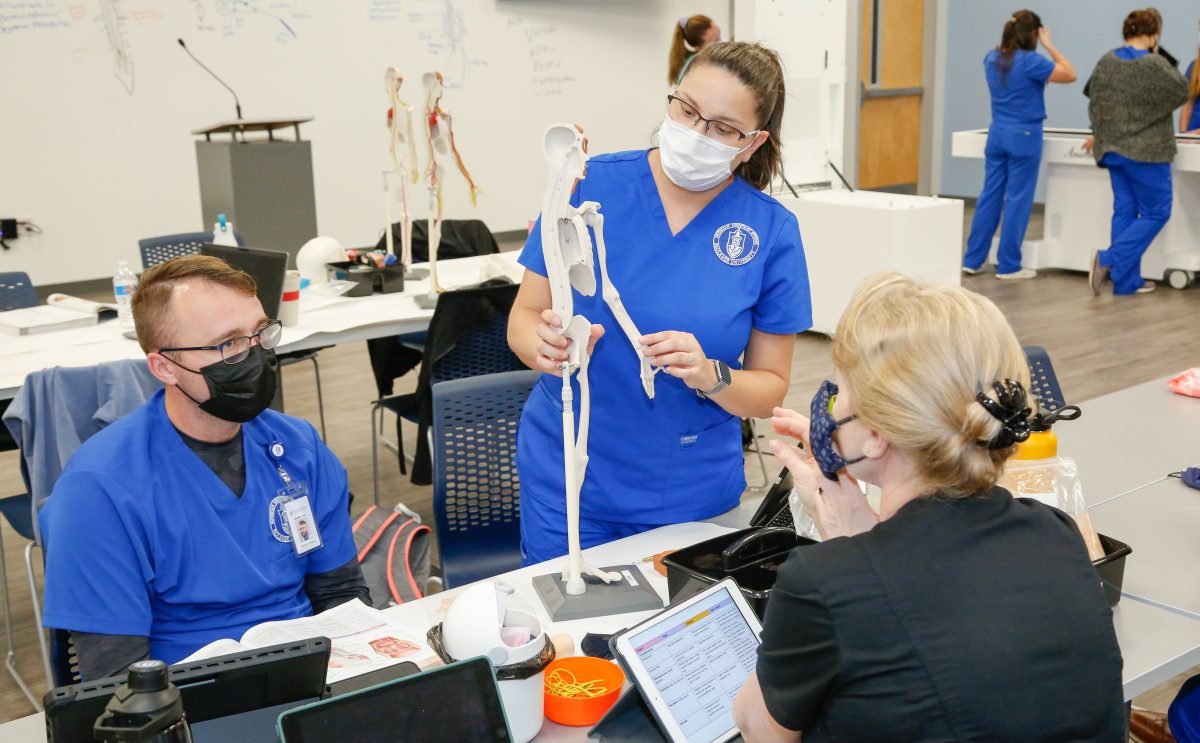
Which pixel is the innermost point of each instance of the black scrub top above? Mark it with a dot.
(972, 619)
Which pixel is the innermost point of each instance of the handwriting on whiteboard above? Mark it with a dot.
(32, 15)
(548, 74)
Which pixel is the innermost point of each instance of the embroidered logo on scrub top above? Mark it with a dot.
(277, 519)
(735, 244)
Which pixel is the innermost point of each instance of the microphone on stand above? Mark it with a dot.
(236, 102)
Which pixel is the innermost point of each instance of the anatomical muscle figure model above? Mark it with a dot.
(400, 139)
(567, 249)
(440, 139)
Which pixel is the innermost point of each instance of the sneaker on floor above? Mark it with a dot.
(1097, 274)
(1024, 273)
(972, 271)
(1147, 287)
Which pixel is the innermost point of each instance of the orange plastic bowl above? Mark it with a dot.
(581, 711)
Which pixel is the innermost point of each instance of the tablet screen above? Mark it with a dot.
(697, 658)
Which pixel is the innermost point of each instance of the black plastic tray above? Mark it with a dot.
(370, 280)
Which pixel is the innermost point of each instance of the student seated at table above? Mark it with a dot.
(955, 611)
(174, 526)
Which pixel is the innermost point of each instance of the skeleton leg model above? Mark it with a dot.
(439, 129)
(567, 249)
(400, 135)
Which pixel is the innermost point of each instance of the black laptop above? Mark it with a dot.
(268, 267)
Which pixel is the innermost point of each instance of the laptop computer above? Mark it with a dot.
(268, 267)
(460, 701)
(234, 698)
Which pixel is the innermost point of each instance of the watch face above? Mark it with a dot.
(723, 372)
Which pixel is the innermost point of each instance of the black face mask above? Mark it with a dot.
(238, 392)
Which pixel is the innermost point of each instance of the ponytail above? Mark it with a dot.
(686, 40)
(1020, 32)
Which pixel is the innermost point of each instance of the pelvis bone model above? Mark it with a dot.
(567, 249)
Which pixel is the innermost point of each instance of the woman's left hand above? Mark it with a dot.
(680, 355)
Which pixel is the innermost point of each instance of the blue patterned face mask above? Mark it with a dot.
(820, 434)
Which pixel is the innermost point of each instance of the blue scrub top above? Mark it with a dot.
(142, 537)
(738, 265)
(1194, 122)
(1019, 98)
(1129, 52)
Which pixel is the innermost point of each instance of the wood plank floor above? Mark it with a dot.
(1098, 344)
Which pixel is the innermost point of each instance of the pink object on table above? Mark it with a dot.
(1187, 383)
(515, 637)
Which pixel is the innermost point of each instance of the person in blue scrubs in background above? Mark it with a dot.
(1189, 115)
(712, 270)
(1133, 93)
(175, 526)
(1016, 77)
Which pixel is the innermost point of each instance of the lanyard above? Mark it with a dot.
(275, 450)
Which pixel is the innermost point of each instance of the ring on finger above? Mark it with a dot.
(691, 360)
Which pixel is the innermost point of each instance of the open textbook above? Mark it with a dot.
(363, 640)
(58, 313)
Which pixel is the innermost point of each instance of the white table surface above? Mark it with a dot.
(346, 320)
(1129, 438)
(1161, 522)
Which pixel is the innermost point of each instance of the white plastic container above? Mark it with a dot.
(289, 306)
(472, 627)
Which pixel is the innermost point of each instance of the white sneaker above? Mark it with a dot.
(972, 271)
(1024, 273)
(1146, 287)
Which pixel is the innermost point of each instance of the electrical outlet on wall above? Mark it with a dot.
(8, 228)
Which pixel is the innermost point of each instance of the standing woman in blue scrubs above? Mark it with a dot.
(713, 271)
(1133, 94)
(1016, 77)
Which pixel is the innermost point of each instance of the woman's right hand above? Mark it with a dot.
(838, 507)
(552, 344)
(1088, 144)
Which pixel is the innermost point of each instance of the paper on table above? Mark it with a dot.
(364, 639)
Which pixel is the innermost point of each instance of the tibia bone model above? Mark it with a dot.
(439, 131)
(404, 164)
(567, 249)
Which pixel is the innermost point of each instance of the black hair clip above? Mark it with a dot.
(1010, 409)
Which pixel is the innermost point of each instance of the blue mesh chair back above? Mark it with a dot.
(476, 494)
(1044, 385)
(468, 336)
(156, 250)
(16, 291)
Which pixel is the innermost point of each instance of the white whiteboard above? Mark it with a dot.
(98, 101)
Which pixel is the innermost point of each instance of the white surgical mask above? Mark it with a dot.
(692, 160)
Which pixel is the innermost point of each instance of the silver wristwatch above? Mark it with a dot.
(723, 379)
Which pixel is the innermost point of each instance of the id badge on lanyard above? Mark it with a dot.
(295, 510)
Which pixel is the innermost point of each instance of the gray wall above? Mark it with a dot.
(1083, 31)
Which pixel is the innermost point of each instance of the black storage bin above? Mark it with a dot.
(1111, 567)
(369, 279)
(750, 556)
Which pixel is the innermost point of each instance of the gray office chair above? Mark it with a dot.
(16, 292)
(476, 494)
(163, 248)
(116, 388)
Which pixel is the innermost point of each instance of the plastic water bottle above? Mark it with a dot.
(223, 232)
(124, 282)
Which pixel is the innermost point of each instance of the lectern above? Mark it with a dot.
(263, 185)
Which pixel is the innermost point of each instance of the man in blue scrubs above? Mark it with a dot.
(174, 527)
